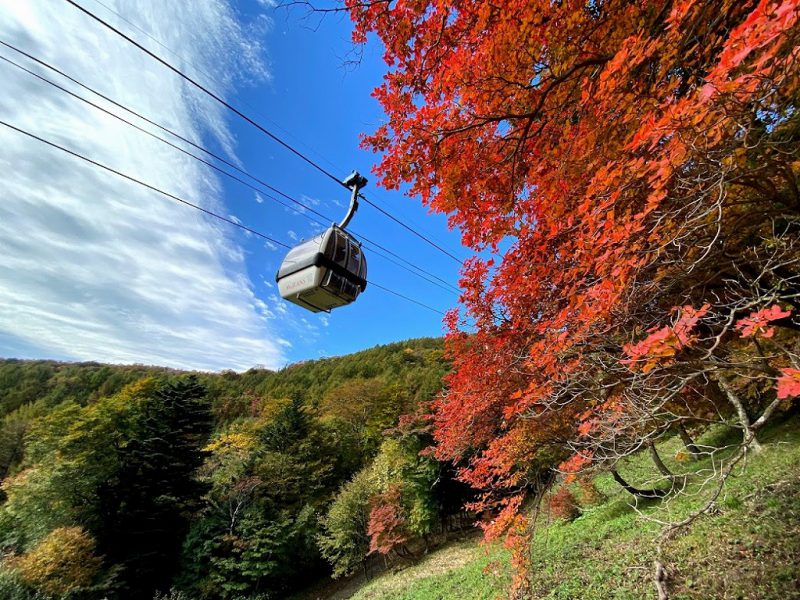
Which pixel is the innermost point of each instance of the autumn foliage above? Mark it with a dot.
(626, 173)
(563, 505)
(387, 523)
(64, 562)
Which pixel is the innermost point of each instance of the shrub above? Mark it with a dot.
(588, 494)
(563, 505)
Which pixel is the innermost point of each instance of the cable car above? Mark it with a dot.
(329, 270)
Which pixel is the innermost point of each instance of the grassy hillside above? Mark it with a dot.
(748, 547)
(466, 570)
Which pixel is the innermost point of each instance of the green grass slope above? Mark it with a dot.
(467, 570)
(747, 547)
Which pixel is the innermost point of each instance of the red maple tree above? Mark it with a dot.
(387, 522)
(608, 162)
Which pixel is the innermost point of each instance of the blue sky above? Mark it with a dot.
(325, 106)
(118, 274)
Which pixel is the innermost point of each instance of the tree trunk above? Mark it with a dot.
(660, 579)
(749, 435)
(636, 491)
(688, 442)
(662, 468)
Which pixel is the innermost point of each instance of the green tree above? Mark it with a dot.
(267, 477)
(123, 467)
(13, 431)
(71, 455)
(399, 464)
(357, 412)
(344, 541)
(398, 472)
(156, 490)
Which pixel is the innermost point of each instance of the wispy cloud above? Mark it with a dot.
(92, 267)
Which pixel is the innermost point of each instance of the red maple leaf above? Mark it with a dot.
(757, 323)
(789, 383)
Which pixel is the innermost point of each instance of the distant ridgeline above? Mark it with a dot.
(125, 481)
(52, 382)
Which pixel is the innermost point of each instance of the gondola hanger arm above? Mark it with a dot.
(355, 181)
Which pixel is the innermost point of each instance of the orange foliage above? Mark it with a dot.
(386, 528)
(572, 144)
(664, 343)
(789, 383)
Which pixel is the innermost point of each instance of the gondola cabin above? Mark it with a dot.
(325, 272)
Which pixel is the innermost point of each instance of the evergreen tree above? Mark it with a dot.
(156, 490)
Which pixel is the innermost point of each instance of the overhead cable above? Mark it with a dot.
(185, 202)
(376, 248)
(253, 122)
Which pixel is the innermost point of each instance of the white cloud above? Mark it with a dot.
(238, 221)
(292, 235)
(262, 309)
(279, 305)
(92, 267)
(297, 209)
(259, 198)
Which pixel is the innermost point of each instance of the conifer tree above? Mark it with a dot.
(156, 490)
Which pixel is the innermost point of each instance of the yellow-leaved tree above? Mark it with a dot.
(62, 563)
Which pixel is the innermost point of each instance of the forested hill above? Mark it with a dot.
(50, 383)
(127, 481)
(418, 363)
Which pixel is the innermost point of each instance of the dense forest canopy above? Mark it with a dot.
(121, 481)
